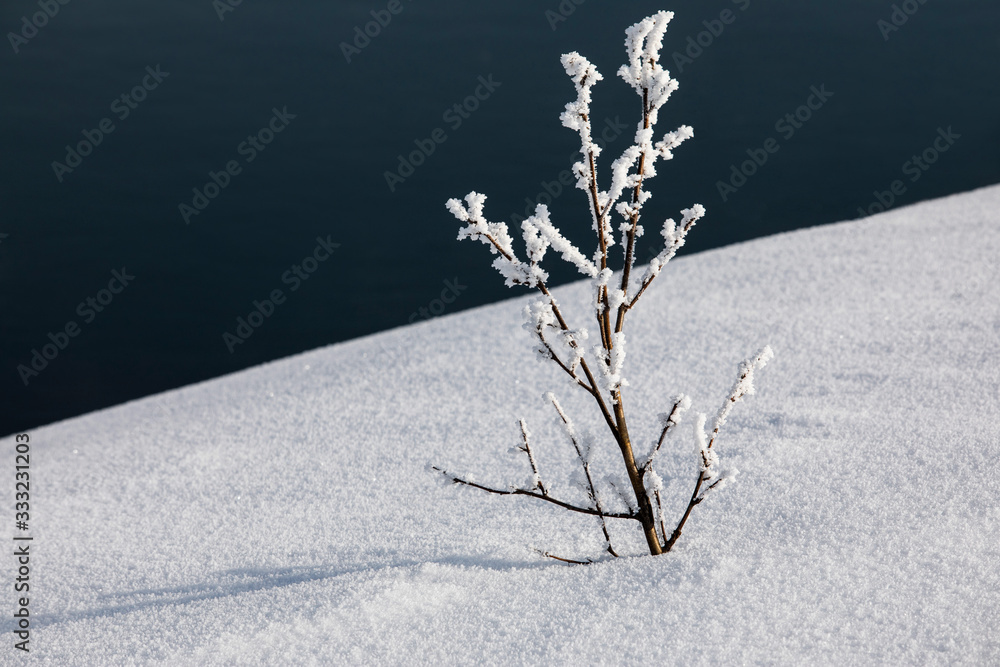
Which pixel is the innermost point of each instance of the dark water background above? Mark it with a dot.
(324, 174)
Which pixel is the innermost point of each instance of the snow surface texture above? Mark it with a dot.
(284, 515)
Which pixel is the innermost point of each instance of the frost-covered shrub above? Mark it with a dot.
(598, 369)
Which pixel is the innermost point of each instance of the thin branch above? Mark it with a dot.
(646, 283)
(540, 285)
(671, 251)
(743, 386)
(687, 512)
(593, 192)
(565, 560)
(659, 508)
(602, 242)
(531, 459)
(630, 246)
(621, 494)
(525, 492)
(680, 405)
(599, 214)
(561, 364)
(583, 364)
(586, 471)
(602, 299)
(592, 389)
(603, 317)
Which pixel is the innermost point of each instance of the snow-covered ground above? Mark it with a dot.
(284, 514)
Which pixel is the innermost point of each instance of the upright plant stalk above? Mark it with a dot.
(602, 378)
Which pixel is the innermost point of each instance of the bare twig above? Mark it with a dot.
(681, 403)
(743, 386)
(659, 509)
(531, 459)
(630, 246)
(565, 560)
(583, 364)
(525, 492)
(621, 494)
(594, 498)
(559, 362)
(592, 389)
(671, 251)
(687, 512)
(645, 512)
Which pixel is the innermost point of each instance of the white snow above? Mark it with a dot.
(284, 514)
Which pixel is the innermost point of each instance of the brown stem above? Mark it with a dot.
(603, 320)
(594, 391)
(562, 364)
(639, 293)
(659, 508)
(602, 242)
(645, 514)
(565, 560)
(691, 503)
(646, 283)
(593, 194)
(630, 247)
(604, 317)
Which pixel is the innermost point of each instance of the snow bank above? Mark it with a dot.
(283, 515)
